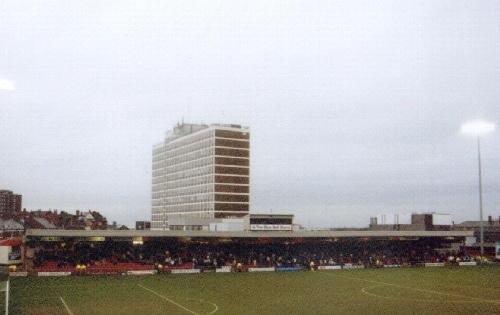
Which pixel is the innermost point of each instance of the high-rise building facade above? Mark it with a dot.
(10, 202)
(201, 171)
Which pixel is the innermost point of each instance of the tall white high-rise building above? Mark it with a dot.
(201, 172)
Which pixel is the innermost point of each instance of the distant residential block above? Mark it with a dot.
(10, 202)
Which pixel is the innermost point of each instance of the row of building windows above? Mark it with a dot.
(204, 170)
(161, 196)
(193, 155)
(206, 179)
(201, 153)
(207, 206)
(182, 147)
(162, 168)
(223, 170)
(201, 180)
(206, 197)
(239, 179)
(235, 178)
(201, 206)
(204, 161)
(232, 152)
(243, 207)
(198, 189)
(232, 161)
(163, 192)
(194, 172)
(232, 134)
(229, 188)
(229, 143)
(163, 154)
(177, 200)
(160, 192)
(224, 147)
(206, 143)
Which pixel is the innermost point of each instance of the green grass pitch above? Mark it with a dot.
(459, 290)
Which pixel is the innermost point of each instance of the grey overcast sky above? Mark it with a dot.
(354, 106)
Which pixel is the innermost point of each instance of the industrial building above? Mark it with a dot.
(412, 222)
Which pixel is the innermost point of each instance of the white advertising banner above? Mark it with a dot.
(185, 271)
(261, 269)
(351, 266)
(18, 273)
(141, 272)
(223, 269)
(329, 267)
(53, 273)
(270, 227)
(392, 266)
(441, 264)
(497, 250)
(467, 263)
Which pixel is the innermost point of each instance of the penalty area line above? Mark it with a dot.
(168, 300)
(66, 306)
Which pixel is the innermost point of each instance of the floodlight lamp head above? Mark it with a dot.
(477, 128)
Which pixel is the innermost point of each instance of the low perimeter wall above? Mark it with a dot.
(226, 269)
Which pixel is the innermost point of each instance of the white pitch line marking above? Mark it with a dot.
(66, 306)
(169, 300)
(423, 290)
(372, 294)
(216, 308)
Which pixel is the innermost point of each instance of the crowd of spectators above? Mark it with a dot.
(177, 254)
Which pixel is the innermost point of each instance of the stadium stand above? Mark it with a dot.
(165, 255)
